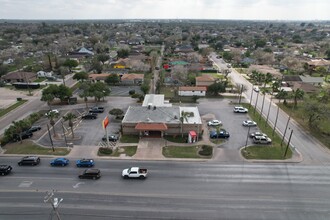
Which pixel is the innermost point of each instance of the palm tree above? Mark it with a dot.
(184, 117)
(85, 87)
(276, 85)
(48, 98)
(51, 116)
(69, 117)
(296, 95)
(19, 127)
(267, 79)
(282, 95)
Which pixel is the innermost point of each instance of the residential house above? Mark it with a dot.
(313, 64)
(192, 91)
(13, 77)
(98, 77)
(132, 79)
(205, 80)
(184, 49)
(315, 81)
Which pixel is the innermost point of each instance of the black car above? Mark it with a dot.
(35, 128)
(111, 137)
(89, 116)
(29, 160)
(23, 135)
(90, 174)
(5, 169)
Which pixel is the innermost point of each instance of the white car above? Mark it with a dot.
(249, 123)
(214, 123)
(239, 109)
(257, 133)
(256, 89)
(54, 110)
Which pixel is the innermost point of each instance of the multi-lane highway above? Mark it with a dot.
(174, 190)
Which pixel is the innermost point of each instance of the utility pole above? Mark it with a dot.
(50, 137)
(287, 146)
(270, 104)
(247, 138)
(251, 97)
(66, 142)
(262, 107)
(278, 109)
(55, 202)
(240, 94)
(255, 105)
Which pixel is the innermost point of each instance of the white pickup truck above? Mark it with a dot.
(134, 172)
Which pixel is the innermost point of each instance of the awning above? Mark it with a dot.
(151, 126)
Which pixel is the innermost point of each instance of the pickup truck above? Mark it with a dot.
(134, 172)
(96, 110)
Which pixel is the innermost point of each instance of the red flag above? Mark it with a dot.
(105, 122)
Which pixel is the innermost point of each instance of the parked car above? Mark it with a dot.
(89, 116)
(262, 140)
(24, 135)
(257, 133)
(90, 174)
(134, 172)
(29, 160)
(240, 109)
(256, 89)
(222, 134)
(85, 162)
(96, 109)
(111, 137)
(214, 123)
(61, 161)
(34, 128)
(249, 123)
(5, 169)
(54, 110)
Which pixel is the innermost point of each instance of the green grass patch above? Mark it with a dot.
(184, 152)
(176, 138)
(169, 92)
(28, 147)
(41, 79)
(275, 150)
(12, 107)
(217, 140)
(128, 150)
(129, 139)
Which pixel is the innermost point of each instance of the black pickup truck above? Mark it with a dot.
(96, 110)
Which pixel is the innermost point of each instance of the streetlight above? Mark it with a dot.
(55, 203)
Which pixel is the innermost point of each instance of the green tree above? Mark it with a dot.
(85, 91)
(47, 97)
(70, 117)
(80, 76)
(145, 88)
(216, 88)
(112, 79)
(268, 78)
(122, 53)
(297, 95)
(64, 92)
(70, 64)
(315, 112)
(103, 58)
(183, 117)
(116, 112)
(51, 116)
(19, 127)
(99, 90)
(3, 69)
(282, 95)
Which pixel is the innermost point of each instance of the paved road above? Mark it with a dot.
(313, 152)
(174, 190)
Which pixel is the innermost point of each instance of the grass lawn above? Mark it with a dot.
(12, 107)
(176, 139)
(28, 147)
(167, 91)
(129, 139)
(183, 152)
(128, 150)
(41, 79)
(273, 151)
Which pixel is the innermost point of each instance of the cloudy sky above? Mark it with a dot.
(166, 9)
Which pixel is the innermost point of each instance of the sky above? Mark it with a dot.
(166, 9)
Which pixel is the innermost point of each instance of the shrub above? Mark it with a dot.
(206, 150)
(131, 92)
(105, 151)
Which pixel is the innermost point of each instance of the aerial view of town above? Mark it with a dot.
(205, 111)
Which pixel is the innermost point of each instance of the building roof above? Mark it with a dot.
(100, 76)
(157, 100)
(192, 88)
(310, 79)
(24, 76)
(132, 76)
(179, 62)
(319, 62)
(151, 126)
(306, 87)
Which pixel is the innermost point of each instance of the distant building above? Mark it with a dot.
(192, 91)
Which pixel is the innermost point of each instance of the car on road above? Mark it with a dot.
(85, 162)
(257, 133)
(5, 169)
(61, 161)
(111, 137)
(54, 110)
(214, 122)
(89, 116)
(249, 123)
(24, 135)
(90, 174)
(29, 160)
(262, 140)
(34, 128)
(221, 134)
(134, 172)
(240, 109)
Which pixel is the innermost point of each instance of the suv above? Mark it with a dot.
(29, 160)
(239, 109)
(5, 169)
(90, 174)
(23, 135)
(261, 140)
(89, 116)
